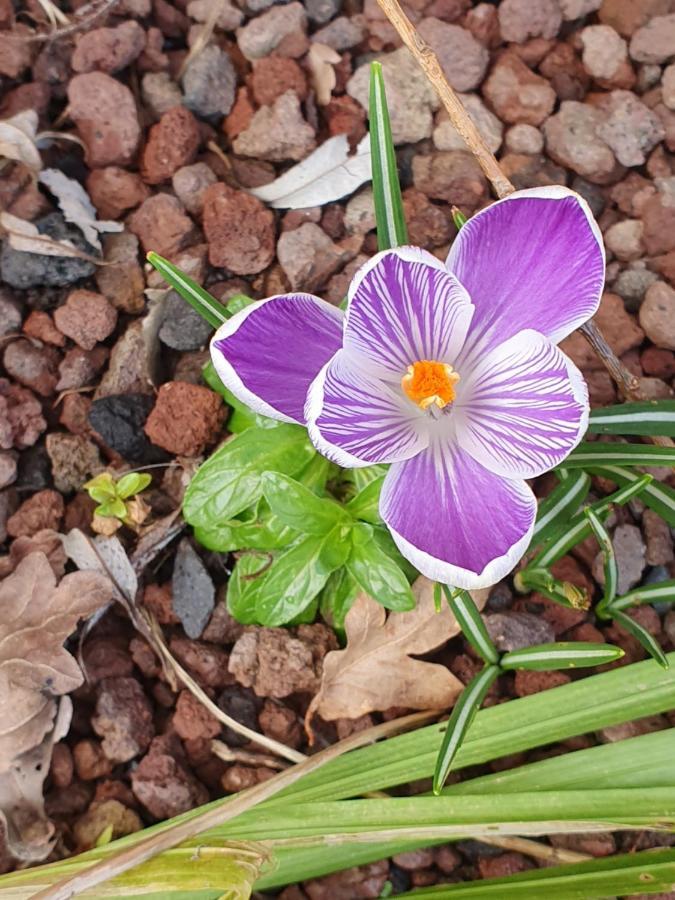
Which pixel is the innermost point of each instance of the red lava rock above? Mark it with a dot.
(275, 663)
(503, 865)
(86, 318)
(192, 720)
(527, 683)
(359, 883)
(90, 760)
(414, 859)
(237, 778)
(40, 325)
(113, 191)
(15, 52)
(618, 327)
(597, 844)
(21, 420)
(70, 801)
(161, 224)
(453, 176)
(275, 75)
(34, 367)
(35, 95)
(114, 790)
(185, 418)
(108, 816)
(346, 116)
(165, 787)
(239, 230)
(277, 132)
(447, 859)
(428, 225)
(8, 469)
(123, 719)
(206, 662)
(74, 414)
(106, 657)
(190, 184)
(144, 657)
(42, 510)
(104, 112)
(79, 367)
(108, 49)
(240, 115)
(173, 142)
(122, 281)
(62, 766)
(658, 362)
(564, 70)
(222, 627)
(159, 601)
(516, 94)
(659, 226)
(281, 723)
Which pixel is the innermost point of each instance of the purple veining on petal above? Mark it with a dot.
(454, 520)
(404, 306)
(534, 260)
(270, 352)
(523, 408)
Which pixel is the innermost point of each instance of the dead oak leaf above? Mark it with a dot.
(376, 669)
(37, 617)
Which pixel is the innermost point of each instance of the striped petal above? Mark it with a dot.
(357, 419)
(523, 408)
(405, 306)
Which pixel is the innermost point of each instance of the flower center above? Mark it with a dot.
(428, 382)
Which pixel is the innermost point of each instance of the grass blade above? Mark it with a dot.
(657, 496)
(391, 227)
(652, 417)
(561, 503)
(662, 592)
(470, 621)
(564, 655)
(194, 294)
(643, 636)
(601, 453)
(609, 560)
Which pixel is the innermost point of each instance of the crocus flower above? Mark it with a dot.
(449, 372)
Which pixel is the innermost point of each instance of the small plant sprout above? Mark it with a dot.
(118, 501)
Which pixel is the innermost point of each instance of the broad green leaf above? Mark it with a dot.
(600, 453)
(609, 559)
(557, 509)
(243, 584)
(365, 505)
(361, 478)
(563, 655)
(101, 488)
(376, 573)
(662, 592)
(385, 542)
(199, 299)
(114, 508)
(265, 532)
(654, 417)
(230, 480)
(473, 628)
(337, 597)
(464, 711)
(656, 495)
(299, 508)
(641, 634)
(296, 576)
(389, 216)
(132, 484)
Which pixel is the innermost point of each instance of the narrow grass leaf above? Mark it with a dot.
(557, 509)
(657, 496)
(643, 636)
(564, 655)
(194, 294)
(610, 567)
(663, 592)
(542, 580)
(600, 453)
(465, 709)
(391, 227)
(470, 621)
(655, 417)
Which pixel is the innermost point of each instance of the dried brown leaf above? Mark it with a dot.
(376, 671)
(26, 238)
(17, 139)
(35, 667)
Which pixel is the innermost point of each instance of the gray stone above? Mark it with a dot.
(74, 460)
(657, 315)
(514, 630)
(631, 129)
(322, 11)
(604, 51)
(655, 41)
(624, 239)
(190, 184)
(572, 140)
(210, 83)
(160, 92)
(342, 33)
(462, 58)
(182, 328)
(119, 420)
(308, 256)
(193, 592)
(131, 365)
(520, 20)
(523, 138)
(25, 270)
(229, 17)
(446, 136)
(10, 314)
(263, 34)
(278, 132)
(575, 9)
(632, 283)
(629, 549)
(659, 541)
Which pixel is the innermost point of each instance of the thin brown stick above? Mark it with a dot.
(544, 852)
(224, 812)
(626, 381)
(80, 25)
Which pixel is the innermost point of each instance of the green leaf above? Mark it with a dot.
(599, 453)
(132, 484)
(391, 227)
(296, 576)
(241, 416)
(472, 625)
(384, 540)
(299, 508)
(563, 655)
(641, 634)
(115, 509)
(662, 592)
(654, 417)
(556, 509)
(337, 597)
(467, 705)
(458, 217)
(243, 584)
(361, 478)
(265, 532)
(230, 480)
(101, 488)
(199, 299)
(609, 560)
(366, 504)
(537, 578)
(237, 302)
(656, 495)
(376, 573)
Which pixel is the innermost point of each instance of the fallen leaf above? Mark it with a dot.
(28, 832)
(17, 139)
(76, 206)
(25, 237)
(376, 671)
(321, 59)
(327, 174)
(35, 667)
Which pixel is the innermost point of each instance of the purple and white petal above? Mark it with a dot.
(356, 419)
(456, 522)
(532, 260)
(405, 306)
(269, 353)
(522, 409)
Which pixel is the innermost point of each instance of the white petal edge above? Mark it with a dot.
(550, 192)
(227, 373)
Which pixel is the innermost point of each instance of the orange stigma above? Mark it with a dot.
(428, 382)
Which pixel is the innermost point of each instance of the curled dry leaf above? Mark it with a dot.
(76, 206)
(376, 670)
(321, 59)
(25, 237)
(17, 139)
